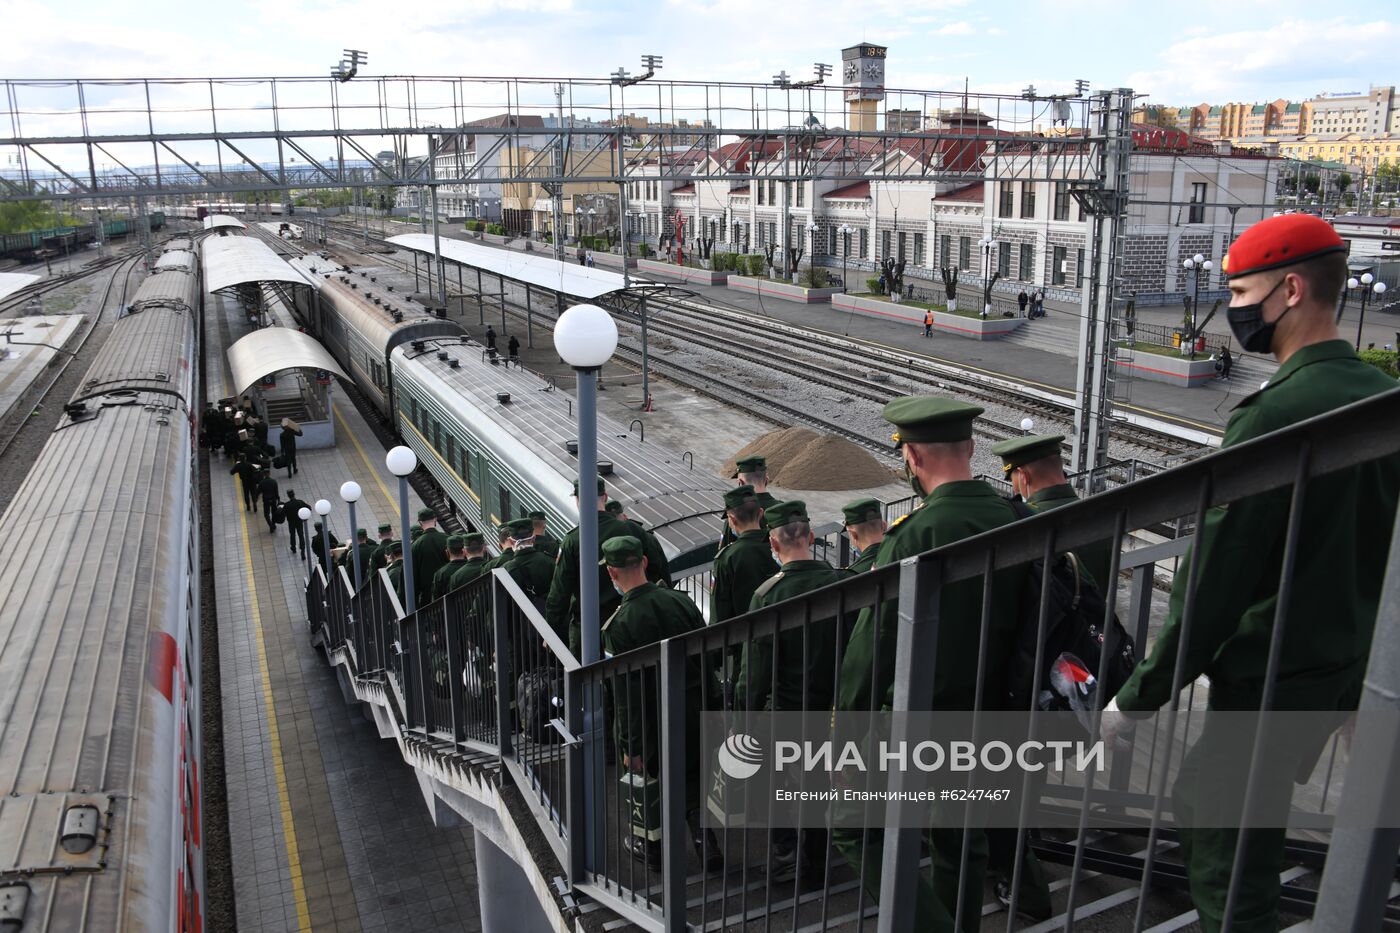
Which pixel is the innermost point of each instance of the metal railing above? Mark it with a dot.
(483, 670)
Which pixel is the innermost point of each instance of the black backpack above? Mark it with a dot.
(1075, 641)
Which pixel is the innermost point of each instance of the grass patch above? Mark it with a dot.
(910, 303)
(1166, 351)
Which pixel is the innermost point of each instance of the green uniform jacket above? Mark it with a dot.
(467, 571)
(1347, 520)
(727, 536)
(501, 559)
(1097, 558)
(658, 567)
(347, 560)
(429, 554)
(867, 559)
(740, 569)
(379, 557)
(756, 689)
(950, 513)
(547, 545)
(645, 615)
(561, 608)
(533, 571)
(442, 580)
(395, 574)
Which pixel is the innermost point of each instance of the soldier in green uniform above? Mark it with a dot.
(561, 608)
(366, 549)
(475, 564)
(742, 567)
(394, 570)
(935, 438)
(646, 614)
(503, 545)
(545, 543)
(429, 554)
(442, 580)
(865, 526)
(750, 471)
(1286, 274)
(658, 566)
(379, 557)
(614, 508)
(1037, 474)
(532, 570)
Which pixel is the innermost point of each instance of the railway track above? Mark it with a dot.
(44, 286)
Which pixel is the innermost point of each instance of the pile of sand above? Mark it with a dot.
(799, 458)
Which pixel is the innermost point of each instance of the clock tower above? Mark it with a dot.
(863, 75)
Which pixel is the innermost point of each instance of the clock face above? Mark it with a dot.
(874, 71)
(852, 69)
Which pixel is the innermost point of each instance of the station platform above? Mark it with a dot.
(328, 829)
(22, 362)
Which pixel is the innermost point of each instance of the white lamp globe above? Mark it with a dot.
(401, 461)
(1352, 282)
(1027, 424)
(1367, 278)
(1378, 288)
(323, 507)
(1187, 263)
(304, 514)
(585, 336)
(1207, 265)
(350, 491)
(1199, 258)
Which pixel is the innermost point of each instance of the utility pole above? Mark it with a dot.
(556, 188)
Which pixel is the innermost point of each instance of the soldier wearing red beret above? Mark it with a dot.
(1286, 275)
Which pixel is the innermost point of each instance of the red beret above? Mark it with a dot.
(1281, 241)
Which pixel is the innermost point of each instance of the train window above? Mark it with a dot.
(467, 467)
(505, 504)
(437, 435)
(451, 452)
(413, 410)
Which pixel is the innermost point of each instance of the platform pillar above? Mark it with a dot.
(508, 902)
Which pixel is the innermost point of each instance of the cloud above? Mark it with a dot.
(962, 28)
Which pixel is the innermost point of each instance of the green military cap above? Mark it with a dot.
(929, 419)
(537, 516)
(385, 526)
(415, 533)
(613, 507)
(738, 496)
(425, 513)
(861, 510)
(455, 542)
(602, 487)
(750, 465)
(782, 513)
(521, 528)
(393, 547)
(621, 550)
(1018, 451)
(361, 533)
(474, 539)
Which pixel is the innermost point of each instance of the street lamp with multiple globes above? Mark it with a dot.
(323, 508)
(305, 515)
(1364, 283)
(812, 229)
(350, 492)
(988, 243)
(1195, 265)
(846, 231)
(402, 461)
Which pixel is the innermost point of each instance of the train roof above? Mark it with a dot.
(367, 305)
(176, 259)
(654, 483)
(150, 350)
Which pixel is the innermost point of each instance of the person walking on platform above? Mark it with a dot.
(366, 547)
(865, 526)
(213, 428)
(644, 615)
(513, 348)
(267, 488)
(928, 323)
(259, 432)
(750, 471)
(1226, 361)
(934, 436)
(1040, 303)
(1286, 275)
(321, 545)
(474, 564)
(379, 557)
(296, 531)
(442, 580)
(247, 473)
(429, 554)
(545, 543)
(287, 442)
(504, 551)
(743, 566)
(532, 570)
(490, 337)
(1022, 300)
(658, 567)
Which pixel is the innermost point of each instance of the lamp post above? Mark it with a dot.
(350, 492)
(1367, 289)
(812, 229)
(401, 461)
(305, 515)
(1027, 424)
(1195, 265)
(323, 508)
(988, 243)
(846, 231)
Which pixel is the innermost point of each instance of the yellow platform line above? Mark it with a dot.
(289, 833)
(393, 509)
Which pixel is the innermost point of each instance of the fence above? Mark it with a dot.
(480, 664)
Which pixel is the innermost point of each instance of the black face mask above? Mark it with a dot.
(914, 483)
(1247, 323)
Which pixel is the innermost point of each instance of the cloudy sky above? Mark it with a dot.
(1244, 50)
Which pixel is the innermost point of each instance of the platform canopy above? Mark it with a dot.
(11, 282)
(526, 268)
(222, 220)
(274, 349)
(238, 260)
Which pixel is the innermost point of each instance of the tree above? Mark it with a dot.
(1343, 182)
(1312, 183)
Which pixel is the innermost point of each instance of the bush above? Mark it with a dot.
(1387, 361)
(643, 250)
(814, 277)
(758, 265)
(475, 226)
(872, 285)
(496, 229)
